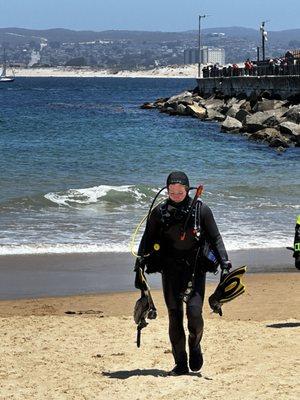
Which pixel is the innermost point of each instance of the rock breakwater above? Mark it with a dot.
(259, 117)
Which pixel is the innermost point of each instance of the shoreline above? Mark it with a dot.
(84, 72)
(118, 304)
(47, 275)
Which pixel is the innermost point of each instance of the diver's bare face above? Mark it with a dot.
(177, 192)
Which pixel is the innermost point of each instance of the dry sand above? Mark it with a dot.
(173, 71)
(252, 352)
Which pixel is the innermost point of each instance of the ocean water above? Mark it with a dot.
(80, 163)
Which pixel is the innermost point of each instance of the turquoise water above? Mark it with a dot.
(80, 163)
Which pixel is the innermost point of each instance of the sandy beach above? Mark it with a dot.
(173, 71)
(83, 347)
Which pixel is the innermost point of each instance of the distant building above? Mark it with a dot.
(209, 55)
(191, 56)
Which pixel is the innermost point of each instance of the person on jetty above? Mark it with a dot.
(179, 227)
(248, 67)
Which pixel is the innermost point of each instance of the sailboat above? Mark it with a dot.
(4, 77)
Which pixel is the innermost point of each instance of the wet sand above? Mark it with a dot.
(25, 276)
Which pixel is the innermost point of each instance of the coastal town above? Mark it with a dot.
(131, 50)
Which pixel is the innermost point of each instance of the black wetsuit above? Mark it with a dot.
(177, 258)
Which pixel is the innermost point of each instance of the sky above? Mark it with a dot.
(152, 15)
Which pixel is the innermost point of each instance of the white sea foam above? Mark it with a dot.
(90, 195)
(260, 243)
(232, 243)
(63, 248)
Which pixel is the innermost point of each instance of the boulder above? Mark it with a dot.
(280, 112)
(240, 103)
(254, 122)
(241, 115)
(232, 106)
(233, 110)
(223, 109)
(147, 106)
(264, 135)
(230, 102)
(161, 100)
(293, 114)
(181, 109)
(168, 110)
(213, 115)
(258, 136)
(231, 124)
(179, 97)
(291, 130)
(196, 110)
(246, 106)
(197, 98)
(279, 141)
(266, 105)
(187, 101)
(271, 136)
(213, 103)
(159, 105)
(273, 120)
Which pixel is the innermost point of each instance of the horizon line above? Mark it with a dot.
(147, 31)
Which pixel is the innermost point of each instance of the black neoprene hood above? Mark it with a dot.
(178, 177)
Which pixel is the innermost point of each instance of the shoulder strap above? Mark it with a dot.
(163, 210)
(198, 216)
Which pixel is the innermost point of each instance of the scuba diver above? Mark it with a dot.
(176, 233)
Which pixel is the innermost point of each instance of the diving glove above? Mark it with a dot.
(225, 268)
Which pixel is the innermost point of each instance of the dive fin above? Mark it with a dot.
(144, 308)
(228, 289)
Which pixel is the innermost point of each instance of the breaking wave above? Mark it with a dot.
(126, 194)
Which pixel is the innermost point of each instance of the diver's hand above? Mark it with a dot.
(225, 268)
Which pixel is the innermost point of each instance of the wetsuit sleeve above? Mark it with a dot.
(151, 233)
(212, 232)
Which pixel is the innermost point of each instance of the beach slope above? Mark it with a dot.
(83, 347)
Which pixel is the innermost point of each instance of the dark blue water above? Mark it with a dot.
(80, 162)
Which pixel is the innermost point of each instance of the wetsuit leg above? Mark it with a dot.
(172, 287)
(196, 324)
(194, 312)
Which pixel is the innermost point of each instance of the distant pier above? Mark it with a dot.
(284, 86)
(280, 81)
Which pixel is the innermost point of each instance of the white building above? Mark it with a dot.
(209, 55)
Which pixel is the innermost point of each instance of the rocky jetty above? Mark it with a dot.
(260, 117)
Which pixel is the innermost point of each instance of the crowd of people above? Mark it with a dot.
(287, 65)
